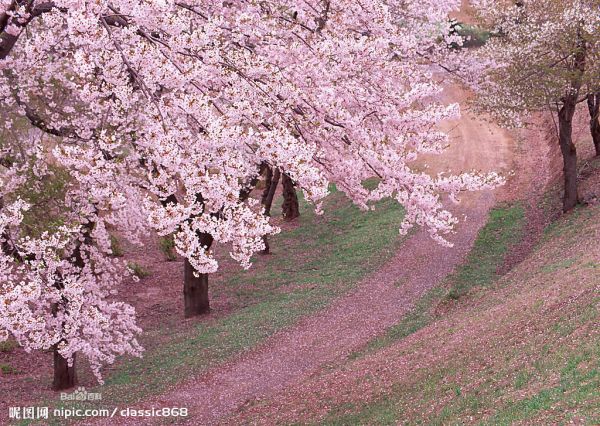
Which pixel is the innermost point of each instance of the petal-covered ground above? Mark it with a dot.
(525, 353)
(378, 302)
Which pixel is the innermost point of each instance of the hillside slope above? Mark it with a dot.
(526, 351)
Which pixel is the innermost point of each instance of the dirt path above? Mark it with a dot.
(376, 304)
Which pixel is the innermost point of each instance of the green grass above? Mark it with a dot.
(382, 412)
(7, 346)
(167, 248)
(576, 392)
(503, 229)
(138, 270)
(549, 378)
(569, 224)
(472, 36)
(387, 409)
(579, 382)
(8, 369)
(323, 258)
(115, 247)
(555, 266)
(522, 379)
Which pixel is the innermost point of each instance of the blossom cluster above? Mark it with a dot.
(176, 107)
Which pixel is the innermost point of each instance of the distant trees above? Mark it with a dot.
(545, 56)
(290, 208)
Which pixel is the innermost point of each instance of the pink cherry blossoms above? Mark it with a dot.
(165, 113)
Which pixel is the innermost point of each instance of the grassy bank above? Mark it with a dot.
(319, 260)
(527, 351)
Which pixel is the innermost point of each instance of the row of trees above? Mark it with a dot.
(162, 115)
(544, 56)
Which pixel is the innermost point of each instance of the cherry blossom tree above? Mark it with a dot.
(56, 288)
(180, 106)
(545, 57)
(325, 93)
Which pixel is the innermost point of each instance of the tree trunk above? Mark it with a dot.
(65, 377)
(195, 285)
(565, 126)
(594, 108)
(268, 182)
(290, 207)
(195, 292)
(569, 154)
(195, 289)
(272, 180)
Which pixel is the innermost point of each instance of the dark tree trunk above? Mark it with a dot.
(267, 249)
(565, 126)
(594, 108)
(195, 292)
(268, 182)
(290, 207)
(269, 193)
(195, 285)
(569, 154)
(272, 180)
(65, 377)
(195, 288)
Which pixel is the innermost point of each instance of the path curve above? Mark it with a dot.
(377, 303)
